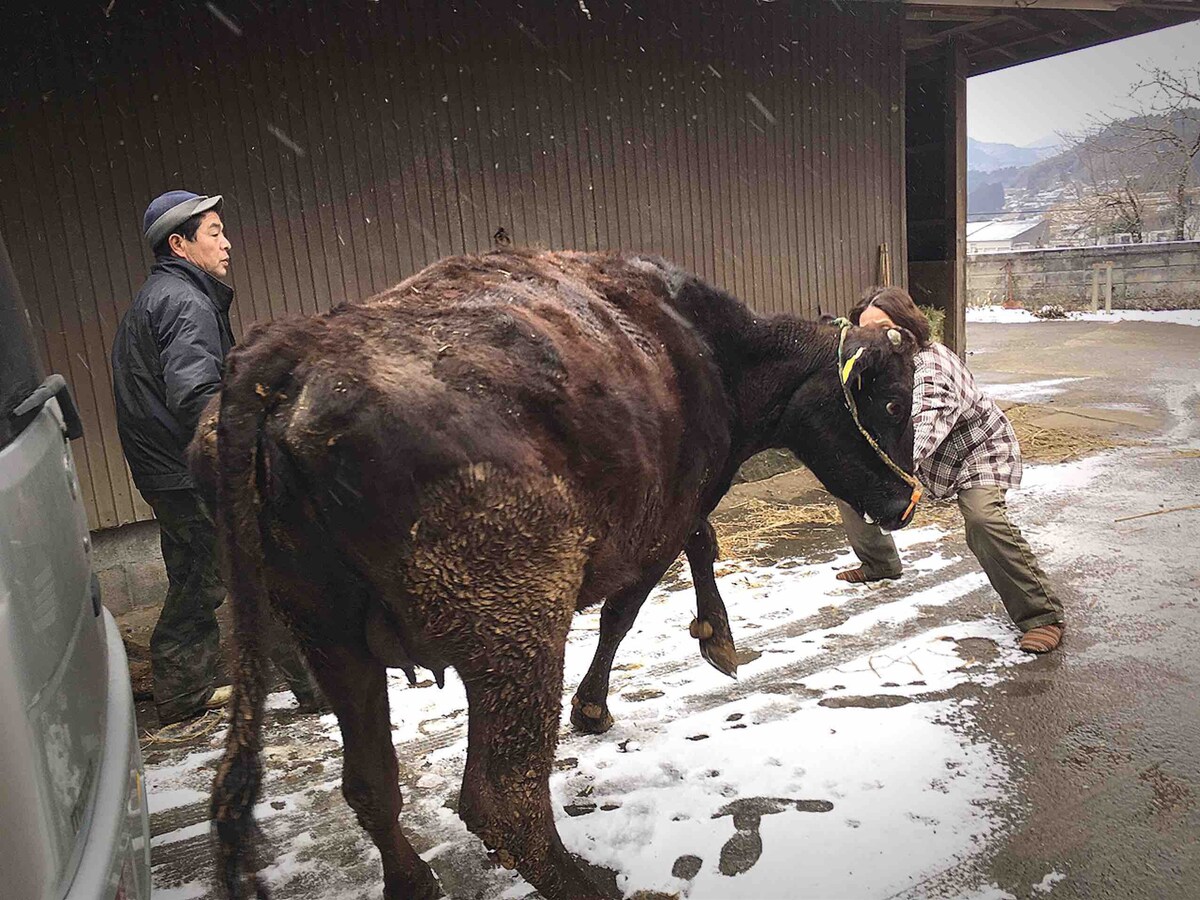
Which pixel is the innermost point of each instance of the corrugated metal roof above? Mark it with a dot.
(996, 230)
(1002, 33)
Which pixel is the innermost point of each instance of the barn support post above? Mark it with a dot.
(1107, 266)
(936, 186)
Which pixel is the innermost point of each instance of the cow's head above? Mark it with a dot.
(819, 428)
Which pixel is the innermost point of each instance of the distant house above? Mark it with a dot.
(996, 236)
(1161, 236)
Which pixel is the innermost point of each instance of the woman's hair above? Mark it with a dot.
(899, 307)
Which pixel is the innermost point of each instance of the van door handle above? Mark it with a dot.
(96, 597)
(55, 386)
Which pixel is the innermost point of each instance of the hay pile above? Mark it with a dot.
(942, 513)
(937, 322)
(1051, 445)
(753, 524)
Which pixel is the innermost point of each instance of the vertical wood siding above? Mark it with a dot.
(760, 145)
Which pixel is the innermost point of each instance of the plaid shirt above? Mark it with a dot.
(960, 437)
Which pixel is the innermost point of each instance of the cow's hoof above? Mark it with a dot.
(700, 629)
(720, 654)
(590, 718)
(424, 886)
(424, 892)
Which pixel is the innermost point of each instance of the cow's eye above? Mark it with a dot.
(893, 408)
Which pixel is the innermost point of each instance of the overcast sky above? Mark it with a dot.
(1025, 104)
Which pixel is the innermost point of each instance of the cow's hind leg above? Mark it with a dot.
(491, 578)
(356, 686)
(514, 715)
(589, 706)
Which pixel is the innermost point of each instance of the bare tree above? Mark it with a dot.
(1167, 126)
(1111, 195)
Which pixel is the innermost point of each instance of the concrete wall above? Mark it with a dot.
(129, 564)
(1145, 276)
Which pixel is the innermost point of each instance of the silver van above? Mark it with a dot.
(73, 815)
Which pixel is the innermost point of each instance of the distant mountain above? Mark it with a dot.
(1052, 142)
(1061, 182)
(1137, 157)
(987, 157)
(986, 200)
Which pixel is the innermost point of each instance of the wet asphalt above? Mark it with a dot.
(1104, 735)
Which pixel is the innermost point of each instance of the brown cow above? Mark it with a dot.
(443, 474)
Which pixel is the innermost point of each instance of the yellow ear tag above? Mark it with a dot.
(849, 365)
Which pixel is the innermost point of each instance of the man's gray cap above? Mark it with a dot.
(168, 211)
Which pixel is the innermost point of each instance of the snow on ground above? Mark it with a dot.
(1046, 480)
(989, 892)
(1029, 391)
(1046, 885)
(830, 787)
(1018, 316)
(840, 763)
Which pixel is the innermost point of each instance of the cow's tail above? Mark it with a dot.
(245, 403)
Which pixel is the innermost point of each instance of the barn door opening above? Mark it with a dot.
(935, 135)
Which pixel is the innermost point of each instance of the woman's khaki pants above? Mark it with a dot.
(1002, 552)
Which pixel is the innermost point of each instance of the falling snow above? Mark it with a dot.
(224, 19)
(761, 107)
(279, 135)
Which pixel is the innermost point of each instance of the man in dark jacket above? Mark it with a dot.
(167, 360)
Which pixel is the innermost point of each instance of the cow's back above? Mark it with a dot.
(571, 365)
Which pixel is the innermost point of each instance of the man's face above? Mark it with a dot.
(210, 250)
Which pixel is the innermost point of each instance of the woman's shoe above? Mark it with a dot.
(1042, 639)
(860, 576)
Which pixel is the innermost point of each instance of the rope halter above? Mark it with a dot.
(845, 368)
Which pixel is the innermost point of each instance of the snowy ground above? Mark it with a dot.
(844, 759)
(1030, 391)
(1022, 316)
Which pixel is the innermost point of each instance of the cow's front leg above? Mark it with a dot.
(589, 706)
(711, 625)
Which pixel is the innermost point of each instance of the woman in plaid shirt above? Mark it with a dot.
(963, 446)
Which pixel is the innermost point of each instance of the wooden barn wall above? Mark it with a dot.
(761, 145)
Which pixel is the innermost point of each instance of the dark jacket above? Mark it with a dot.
(167, 361)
